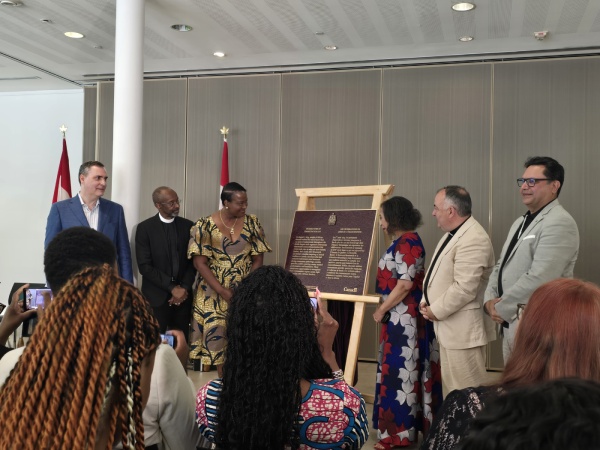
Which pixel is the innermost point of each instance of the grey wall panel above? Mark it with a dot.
(249, 107)
(330, 137)
(90, 102)
(164, 141)
(436, 132)
(164, 138)
(104, 128)
(417, 128)
(549, 108)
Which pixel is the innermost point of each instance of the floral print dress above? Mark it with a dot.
(409, 387)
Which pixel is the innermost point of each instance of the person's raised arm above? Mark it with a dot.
(14, 316)
(328, 327)
(181, 347)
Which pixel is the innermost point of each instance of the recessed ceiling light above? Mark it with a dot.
(98, 47)
(319, 33)
(73, 35)
(46, 20)
(219, 54)
(10, 3)
(181, 27)
(465, 38)
(330, 47)
(463, 6)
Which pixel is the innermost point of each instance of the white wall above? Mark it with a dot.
(30, 149)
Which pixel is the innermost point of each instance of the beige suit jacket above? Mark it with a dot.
(456, 286)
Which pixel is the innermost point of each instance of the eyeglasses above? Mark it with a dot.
(531, 181)
(172, 202)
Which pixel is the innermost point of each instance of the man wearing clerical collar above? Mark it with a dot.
(167, 274)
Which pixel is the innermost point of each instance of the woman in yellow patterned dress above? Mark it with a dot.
(225, 246)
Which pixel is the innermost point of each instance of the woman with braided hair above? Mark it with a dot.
(83, 380)
(281, 386)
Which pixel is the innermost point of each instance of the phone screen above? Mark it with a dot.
(314, 303)
(168, 339)
(34, 298)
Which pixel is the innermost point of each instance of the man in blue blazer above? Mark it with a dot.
(541, 245)
(89, 209)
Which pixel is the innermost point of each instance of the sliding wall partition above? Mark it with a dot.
(419, 128)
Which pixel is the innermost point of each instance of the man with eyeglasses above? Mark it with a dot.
(167, 274)
(89, 209)
(541, 245)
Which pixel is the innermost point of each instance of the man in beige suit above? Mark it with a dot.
(453, 290)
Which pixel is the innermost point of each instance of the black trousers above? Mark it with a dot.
(174, 317)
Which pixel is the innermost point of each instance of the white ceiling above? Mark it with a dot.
(280, 35)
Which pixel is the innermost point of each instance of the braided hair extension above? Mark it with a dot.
(70, 384)
(272, 344)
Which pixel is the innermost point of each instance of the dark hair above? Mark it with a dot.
(552, 169)
(73, 250)
(229, 189)
(157, 194)
(558, 414)
(558, 335)
(400, 214)
(85, 167)
(272, 344)
(459, 198)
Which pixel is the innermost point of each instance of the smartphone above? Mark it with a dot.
(314, 302)
(34, 298)
(2, 306)
(169, 339)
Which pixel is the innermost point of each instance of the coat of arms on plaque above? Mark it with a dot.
(332, 219)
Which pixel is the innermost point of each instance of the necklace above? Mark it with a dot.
(231, 228)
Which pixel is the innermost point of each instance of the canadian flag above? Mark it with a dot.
(224, 170)
(62, 188)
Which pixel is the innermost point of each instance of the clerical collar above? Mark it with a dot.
(163, 220)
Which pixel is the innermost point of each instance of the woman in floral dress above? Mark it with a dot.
(225, 246)
(409, 388)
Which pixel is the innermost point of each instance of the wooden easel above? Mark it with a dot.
(306, 202)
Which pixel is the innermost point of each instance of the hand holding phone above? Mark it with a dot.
(169, 339)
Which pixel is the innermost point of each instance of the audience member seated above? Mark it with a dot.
(169, 417)
(555, 415)
(557, 337)
(281, 386)
(71, 251)
(84, 378)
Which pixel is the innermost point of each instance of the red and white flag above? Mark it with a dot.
(62, 188)
(224, 169)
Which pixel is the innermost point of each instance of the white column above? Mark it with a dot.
(128, 104)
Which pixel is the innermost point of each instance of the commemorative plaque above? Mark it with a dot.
(330, 249)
